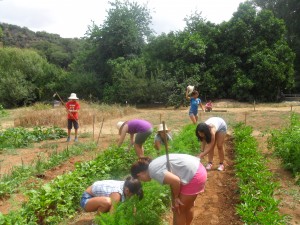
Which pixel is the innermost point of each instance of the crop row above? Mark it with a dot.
(286, 145)
(59, 199)
(16, 180)
(19, 137)
(255, 181)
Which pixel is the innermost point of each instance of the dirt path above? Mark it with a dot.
(217, 204)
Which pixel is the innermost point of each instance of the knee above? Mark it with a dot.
(106, 204)
(220, 147)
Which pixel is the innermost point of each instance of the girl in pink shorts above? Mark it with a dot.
(185, 175)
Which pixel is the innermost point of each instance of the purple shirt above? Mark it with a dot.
(138, 126)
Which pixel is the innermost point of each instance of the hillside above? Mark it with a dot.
(59, 51)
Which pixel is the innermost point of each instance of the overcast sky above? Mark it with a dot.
(70, 18)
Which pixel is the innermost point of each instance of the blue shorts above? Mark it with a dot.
(193, 113)
(84, 199)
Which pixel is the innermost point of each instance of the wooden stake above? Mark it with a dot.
(93, 127)
(100, 131)
(168, 164)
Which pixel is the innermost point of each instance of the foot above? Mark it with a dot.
(68, 139)
(76, 139)
(221, 167)
(208, 166)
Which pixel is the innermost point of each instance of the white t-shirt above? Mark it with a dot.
(106, 187)
(218, 122)
(182, 165)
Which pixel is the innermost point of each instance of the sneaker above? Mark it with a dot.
(221, 167)
(68, 139)
(208, 166)
(76, 139)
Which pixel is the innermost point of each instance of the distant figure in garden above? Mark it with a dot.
(102, 195)
(186, 179)
(208, 106)
(161, 136)
(192, 95)
(72, 108)
(142, 129)
(211, 133)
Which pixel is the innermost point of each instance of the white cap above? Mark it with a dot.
(73, 96)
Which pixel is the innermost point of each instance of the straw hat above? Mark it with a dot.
(73, 96)
(119, 125)
(190, 88)
(161, 127)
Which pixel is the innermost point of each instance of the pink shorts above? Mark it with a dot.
(197, 184)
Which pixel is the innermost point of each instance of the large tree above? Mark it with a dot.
(26, 77)
(123, 34)
(289, 11)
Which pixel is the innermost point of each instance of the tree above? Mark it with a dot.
(26, 77)
(263, 61)
(289, 11)
(123, 34)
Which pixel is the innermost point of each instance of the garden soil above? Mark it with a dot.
(217, 204)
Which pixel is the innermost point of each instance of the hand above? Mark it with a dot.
(177, 203)
(201, 155)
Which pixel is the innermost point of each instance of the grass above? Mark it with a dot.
(89, 113)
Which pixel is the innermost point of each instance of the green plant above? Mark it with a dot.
(286, 145)
(256, 183)
(3, 112)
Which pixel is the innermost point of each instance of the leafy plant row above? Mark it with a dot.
(256, 183)
(157, 197)
(59, 199)
(286, 145)
(19, 137)
(12, 182)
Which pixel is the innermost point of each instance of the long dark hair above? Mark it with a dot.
(204, 128)
(139, 166)
(134, 186)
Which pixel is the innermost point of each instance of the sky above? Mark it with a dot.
(71, 18)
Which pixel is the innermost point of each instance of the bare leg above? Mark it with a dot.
(211, 154)
(196, 117)
(76, 132)
(139, 150)
(193, 119)
(186, 213)
(100, 204)
(220, 138)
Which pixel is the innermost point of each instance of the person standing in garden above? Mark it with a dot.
(212, 132)
(102, 195)
(185, 175)
(73, 107)
(142, 129)
(194, 104)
